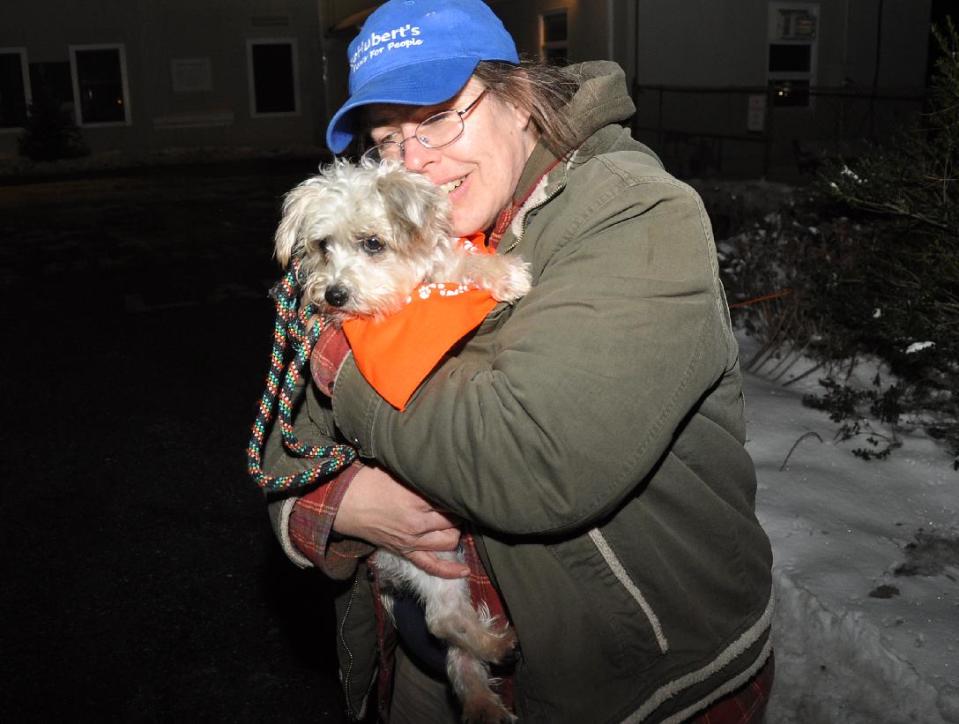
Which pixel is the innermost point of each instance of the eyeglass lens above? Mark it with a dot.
(434, 132)
(439, 130)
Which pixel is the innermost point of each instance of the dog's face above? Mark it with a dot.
(365, 236)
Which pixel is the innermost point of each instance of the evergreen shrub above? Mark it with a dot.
(867, 264)
(50, 132)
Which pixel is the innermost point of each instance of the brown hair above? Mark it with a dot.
(539, 89)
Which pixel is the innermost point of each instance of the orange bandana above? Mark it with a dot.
(395, 354)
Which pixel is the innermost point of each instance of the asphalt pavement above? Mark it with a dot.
(139, 580)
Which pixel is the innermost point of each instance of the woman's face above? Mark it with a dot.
(480, 169)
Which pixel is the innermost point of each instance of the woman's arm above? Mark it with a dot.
(303, 520)
(364, 505)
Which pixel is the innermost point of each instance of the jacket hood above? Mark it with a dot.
(601, 99)
(600, 103)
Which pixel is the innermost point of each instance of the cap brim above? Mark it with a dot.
(418, 84)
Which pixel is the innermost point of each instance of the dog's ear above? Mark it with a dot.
(288, 238)
(412, 203)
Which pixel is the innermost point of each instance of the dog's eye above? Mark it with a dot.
(372, 245)
(321, 244)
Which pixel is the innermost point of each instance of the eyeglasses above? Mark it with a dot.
(439, 130)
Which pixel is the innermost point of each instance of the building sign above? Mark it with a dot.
(795, 24)
(191, 75)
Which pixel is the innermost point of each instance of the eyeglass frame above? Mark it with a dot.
(461, 115)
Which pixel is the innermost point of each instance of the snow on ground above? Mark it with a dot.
(866, 566)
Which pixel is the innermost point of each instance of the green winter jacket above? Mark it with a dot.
(592, 434)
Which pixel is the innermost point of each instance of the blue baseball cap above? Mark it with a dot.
(418, 52)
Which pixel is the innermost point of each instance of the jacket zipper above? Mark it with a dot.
(347, 675)
(527, 211)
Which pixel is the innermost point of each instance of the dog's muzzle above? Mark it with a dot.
(337, 295)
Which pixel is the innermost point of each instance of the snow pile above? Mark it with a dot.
(866, 566)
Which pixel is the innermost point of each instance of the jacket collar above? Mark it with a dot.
(601, 99)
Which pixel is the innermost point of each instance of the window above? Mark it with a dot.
(789, 58)
(791, 62)
(14, 88)
(553, 42)
(793, 93)
(100, 84)
(273, 77)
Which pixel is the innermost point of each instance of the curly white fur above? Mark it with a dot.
(367, 235)
(475, 638)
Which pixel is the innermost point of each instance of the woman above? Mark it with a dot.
(589, 438)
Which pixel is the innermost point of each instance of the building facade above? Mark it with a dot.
(142, 77)
(737, 87)
(745, 87)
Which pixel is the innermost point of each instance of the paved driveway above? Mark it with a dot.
(140, 581)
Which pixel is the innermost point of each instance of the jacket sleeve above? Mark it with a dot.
(303, 523)
(579, 393)
(310, 528)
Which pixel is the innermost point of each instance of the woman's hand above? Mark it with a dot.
(378, 509)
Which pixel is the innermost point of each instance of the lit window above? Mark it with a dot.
(790, 92)
(14, 88)
(273, 77)
(791, 62)
(554, 45)
(100, 85)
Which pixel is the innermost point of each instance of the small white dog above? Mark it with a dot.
(366, 236)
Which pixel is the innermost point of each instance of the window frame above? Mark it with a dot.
(251, 85)
(124, 82)
(25, 75)
(545, 45)
(810, 76)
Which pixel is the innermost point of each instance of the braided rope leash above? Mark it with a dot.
(291, 324)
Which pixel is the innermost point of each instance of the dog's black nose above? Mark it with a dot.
(336, 295)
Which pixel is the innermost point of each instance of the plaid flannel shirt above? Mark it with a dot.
(311, 528)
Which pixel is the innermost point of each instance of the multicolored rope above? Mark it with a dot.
(292, 324)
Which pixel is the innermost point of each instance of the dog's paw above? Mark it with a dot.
(503, 648)
(515, 283)
(487, 711)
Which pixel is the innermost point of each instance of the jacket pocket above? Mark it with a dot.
(619, 571)
(614, 608)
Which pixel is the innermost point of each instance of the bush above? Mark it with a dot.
(910, 190)
(867, 264)
(909, 271)
(50, 132)
(793, 281)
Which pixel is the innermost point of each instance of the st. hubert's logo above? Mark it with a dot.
(377, 43)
